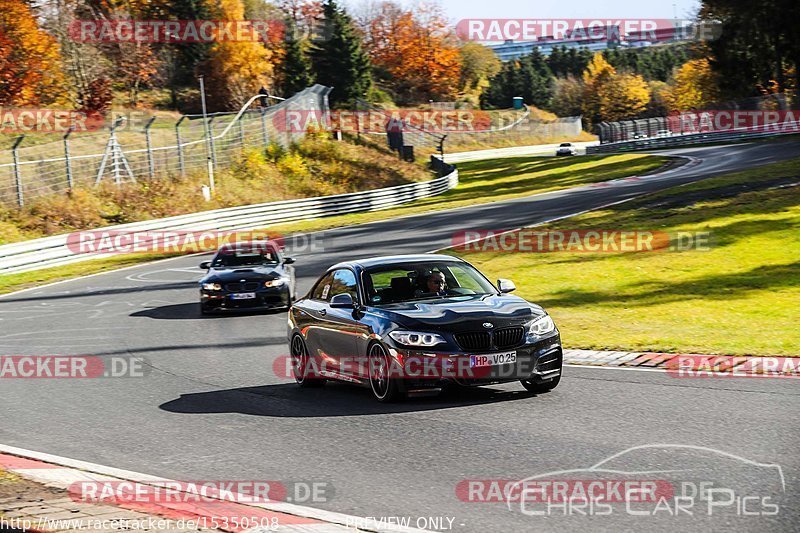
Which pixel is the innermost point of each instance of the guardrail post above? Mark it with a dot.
(181, 162)
(151, 167)
(67, 161)
(17, 176)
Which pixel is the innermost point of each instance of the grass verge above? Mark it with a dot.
(739, 297)
(480, 182)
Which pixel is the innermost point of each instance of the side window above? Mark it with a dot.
(344, 281)
(464, 279)
(323, 288)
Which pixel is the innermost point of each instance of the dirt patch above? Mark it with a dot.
(13, 486)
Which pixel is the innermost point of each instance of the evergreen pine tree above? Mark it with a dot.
(296, 72)
(339, 60)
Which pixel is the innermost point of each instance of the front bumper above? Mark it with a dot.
(539, 361)
(270, 298)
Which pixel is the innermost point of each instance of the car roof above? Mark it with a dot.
(249, 245)
(368, 262)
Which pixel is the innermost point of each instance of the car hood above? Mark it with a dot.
(248, 273)
(464, 313)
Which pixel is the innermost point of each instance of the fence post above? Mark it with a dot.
(17, 176)
(264, 126)
(211, 142)
(68, 162)
(181, 162)
(211, 157)
(241, 131)
(151, 167)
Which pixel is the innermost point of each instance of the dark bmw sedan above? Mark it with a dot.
(247, 275)
(407, 325)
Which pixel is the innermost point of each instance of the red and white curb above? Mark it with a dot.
(62, 472)
(689, 365)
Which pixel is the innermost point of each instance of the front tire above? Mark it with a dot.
(385, 388)
(301, 364)
(539, 388)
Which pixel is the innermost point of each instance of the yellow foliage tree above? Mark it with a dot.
(610, 95)
(30, 71)
(235, 71)
(597, 73)
(623, 96)
(693, 87)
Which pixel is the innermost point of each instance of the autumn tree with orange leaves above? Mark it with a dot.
(413, 51)
(30, 72)
(235, 70)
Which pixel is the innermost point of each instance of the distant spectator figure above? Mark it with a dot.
(263, 100)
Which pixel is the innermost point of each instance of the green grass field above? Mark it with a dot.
(480, 182)
(742, 296)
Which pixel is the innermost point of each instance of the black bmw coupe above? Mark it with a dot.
(247, 275)
(407, 325)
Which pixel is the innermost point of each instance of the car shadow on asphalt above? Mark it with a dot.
(191, 311)
(288, 400)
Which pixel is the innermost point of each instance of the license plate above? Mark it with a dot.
(243, 296)
(492, 359)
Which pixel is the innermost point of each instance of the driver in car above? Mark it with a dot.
(435, 285)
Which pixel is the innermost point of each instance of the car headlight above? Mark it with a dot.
(274, 282)
(212, 286)
(416, 338)
(542, 325)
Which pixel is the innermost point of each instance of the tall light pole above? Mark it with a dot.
(209, 160)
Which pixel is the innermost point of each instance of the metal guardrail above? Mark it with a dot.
(514, 151)
(53, 251)
(743, 134)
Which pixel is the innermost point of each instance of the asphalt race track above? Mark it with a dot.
(211, 407)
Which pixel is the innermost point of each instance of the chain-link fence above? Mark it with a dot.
(696, 121)
(160, 148)
(445, 128)
(517, 130)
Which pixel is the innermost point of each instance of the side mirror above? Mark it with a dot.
(288, 260)
(343, 301)
(205, 265)
(506, 285)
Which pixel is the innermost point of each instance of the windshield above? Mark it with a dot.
(423, 280)
(237, 258)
